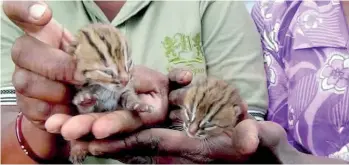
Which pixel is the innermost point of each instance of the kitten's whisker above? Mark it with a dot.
(176, 127)
(204, 147)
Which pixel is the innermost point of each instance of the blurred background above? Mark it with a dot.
(249, 4)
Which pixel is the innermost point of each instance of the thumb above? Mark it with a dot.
(35, 19)
(271, 134)
(28, 15)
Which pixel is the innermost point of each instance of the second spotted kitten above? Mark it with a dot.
(209, 106)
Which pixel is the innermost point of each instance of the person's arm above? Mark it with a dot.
(233, 52)
(287, 154)
(41, 142)
(283, 151)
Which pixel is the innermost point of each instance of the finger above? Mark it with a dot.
(38, 111)
(36, 56)
(35, 18)
(148, 80)
(116, 122)
(158, 159)
(177, 97)
(180, 76)
(152, 140)
(78, 126)
(27, 14)
(271, 134)
(35, 86)
(177, 115)
(245, 138)
(160, 103)
(54, 123)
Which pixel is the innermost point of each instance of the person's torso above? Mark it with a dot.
(161, 35)
(308, 73)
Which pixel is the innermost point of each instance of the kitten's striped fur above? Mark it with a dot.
(104, 64)
(210, 107)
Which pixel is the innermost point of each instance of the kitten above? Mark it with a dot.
(104, 64)
(210, 107)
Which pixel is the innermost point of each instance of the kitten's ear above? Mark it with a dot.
(71, 47)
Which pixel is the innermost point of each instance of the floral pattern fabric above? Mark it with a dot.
(307, 63)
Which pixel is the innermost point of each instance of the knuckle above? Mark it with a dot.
(62, 69)
(21, 102)
(164, 81)
(44, 109)
(70, 69)
(21, 81)
(16, 49)
(7, 7)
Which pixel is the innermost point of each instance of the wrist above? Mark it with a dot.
(44, 145)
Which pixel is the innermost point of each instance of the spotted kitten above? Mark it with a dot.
(104, 64)
(210, 106)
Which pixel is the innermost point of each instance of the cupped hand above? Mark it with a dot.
(250, 142)
(161, 145)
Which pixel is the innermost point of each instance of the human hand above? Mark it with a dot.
(160, 145)
(38, 63)
(110, 123)
(251, 142)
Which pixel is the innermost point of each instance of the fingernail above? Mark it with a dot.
(36, 11)
(102, 135)
(67, 138)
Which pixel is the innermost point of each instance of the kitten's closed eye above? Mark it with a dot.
(210, 102)
(208, 125)
(109, 72)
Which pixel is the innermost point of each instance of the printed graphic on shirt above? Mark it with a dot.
(182, 50)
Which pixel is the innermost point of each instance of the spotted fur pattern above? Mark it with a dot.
(210, 107)
(105, 66)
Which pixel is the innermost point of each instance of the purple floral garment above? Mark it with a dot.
(307, 60)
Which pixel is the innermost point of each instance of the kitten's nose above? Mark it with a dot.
(124, 79)
(193, 129)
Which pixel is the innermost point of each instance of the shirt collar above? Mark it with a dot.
(320, 24)
(130, 8)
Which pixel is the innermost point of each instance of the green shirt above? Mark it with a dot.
(214, 38)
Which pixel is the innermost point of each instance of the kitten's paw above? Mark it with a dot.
(77, 158)
(142, 107)
(78, 152)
